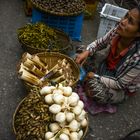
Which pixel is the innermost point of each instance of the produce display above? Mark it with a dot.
(40, 36)
(37, 72)
(60, 7)
(69, 116)
(31, 118)
(53, 113)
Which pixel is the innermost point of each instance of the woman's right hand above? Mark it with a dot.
(82, 56)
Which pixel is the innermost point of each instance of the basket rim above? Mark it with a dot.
(58, 13)
(19, 104)
(57, 31)
(86, 129)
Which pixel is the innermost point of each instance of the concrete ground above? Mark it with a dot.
(101, 127)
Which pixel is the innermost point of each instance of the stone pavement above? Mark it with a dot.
(101, 127)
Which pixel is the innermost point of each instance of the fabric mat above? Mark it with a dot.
(91, 106)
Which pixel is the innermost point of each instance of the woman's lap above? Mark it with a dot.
(111, 96)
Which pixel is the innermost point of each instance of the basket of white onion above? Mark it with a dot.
(70, 121)
(53, 113)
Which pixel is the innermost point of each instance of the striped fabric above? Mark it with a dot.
(127, 75)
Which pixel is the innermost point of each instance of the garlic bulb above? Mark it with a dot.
(69, 116)
(73, 100)
(48, 135)
(81, 104)
(54, 127)
(77, 110)
(64, 137)
(74, 125)
(75, 95)
(74, 136)
(81, 116)
(58, 98)
(55, 108)
(45, 90)
(80, 134)
(60, 117)
(52, 88)
(84, 123)
(49, 99)
(58, 91)
(67, 91)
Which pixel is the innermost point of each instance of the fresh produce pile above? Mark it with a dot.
(60, 7)
(40, 36)
(36, 72)
(69, 117)
(54, 113)
(31, 118)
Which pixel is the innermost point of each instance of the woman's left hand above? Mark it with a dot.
(90, 75)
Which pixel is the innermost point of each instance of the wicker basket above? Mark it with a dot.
(63, 40)
(18, 107)
(51, 58)
(58, 13)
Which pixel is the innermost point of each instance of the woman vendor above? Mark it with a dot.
(118, 74)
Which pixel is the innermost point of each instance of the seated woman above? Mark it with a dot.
(118, 75)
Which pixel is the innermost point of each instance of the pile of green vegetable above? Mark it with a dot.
(39, 36)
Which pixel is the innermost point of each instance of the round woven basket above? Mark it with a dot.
(51, 58)
(64, 42)
(59, 13)
(18, 107)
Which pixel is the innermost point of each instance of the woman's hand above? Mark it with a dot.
(89, 75)
(81, 57)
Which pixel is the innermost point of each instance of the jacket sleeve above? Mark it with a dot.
(101, 43)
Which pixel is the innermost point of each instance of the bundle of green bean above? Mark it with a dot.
(60, 7)
(39, 36)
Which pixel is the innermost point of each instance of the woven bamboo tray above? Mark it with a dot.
(63, 40)
(51, 58)
(18, 107)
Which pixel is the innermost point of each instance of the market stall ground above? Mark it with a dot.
(101, 127)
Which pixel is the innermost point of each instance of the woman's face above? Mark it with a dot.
(129, 25)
